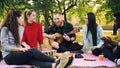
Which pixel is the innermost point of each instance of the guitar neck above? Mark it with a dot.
(62, 36)
(72, 32)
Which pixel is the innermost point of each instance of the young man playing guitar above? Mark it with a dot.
(62, 35)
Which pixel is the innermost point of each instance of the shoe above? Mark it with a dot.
(64, 61)
(58, 61)
(69, 62)
(118, 61)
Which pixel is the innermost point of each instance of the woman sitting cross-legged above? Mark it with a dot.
(15, 54)
(92, 34)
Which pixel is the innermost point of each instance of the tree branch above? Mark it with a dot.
(72, 5)
(59, 5)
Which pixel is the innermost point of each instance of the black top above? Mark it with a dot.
(66, 28)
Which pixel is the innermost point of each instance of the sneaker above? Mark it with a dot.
(64, 61)
(58, 61)
(69, 62)
(118, 61)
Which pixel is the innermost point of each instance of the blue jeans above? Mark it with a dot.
(32, 57)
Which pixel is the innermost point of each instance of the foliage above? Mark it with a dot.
(65, 5)
(80, 10)
(113, 6)
(6, 5)
(103, 9)
(46, 8)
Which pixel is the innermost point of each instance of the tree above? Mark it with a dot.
(6, 5)
(66, 5)
(82, 8)
(113, 6)
(46, 8)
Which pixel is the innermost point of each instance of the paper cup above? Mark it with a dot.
(101, 57)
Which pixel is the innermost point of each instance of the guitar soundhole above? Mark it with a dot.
(57, 38)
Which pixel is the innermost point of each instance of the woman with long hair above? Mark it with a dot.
(15, 53)
(92, 33)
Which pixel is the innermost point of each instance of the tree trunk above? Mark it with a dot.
(65, 18)
(46, 18)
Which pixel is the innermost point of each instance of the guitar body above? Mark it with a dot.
(57, 35)
(46, 43)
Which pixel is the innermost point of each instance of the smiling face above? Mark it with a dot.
(32, 17)
(20, 20)
(58, 19)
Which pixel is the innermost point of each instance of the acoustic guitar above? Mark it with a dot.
(59, 37)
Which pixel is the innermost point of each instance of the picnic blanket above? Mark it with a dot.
(76, 62)
(4, 65)
(82, 62)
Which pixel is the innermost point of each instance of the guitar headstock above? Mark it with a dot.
(75, 30)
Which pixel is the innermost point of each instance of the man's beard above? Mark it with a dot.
(59, 25)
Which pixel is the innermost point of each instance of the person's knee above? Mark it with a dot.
(79, 45)
(96, 52)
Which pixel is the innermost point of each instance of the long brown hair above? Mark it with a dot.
(12, 24)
